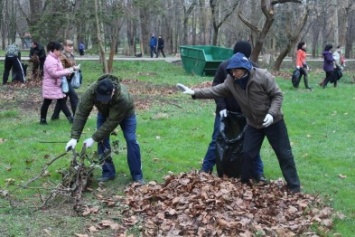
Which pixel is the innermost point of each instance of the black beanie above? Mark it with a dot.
(242, 47)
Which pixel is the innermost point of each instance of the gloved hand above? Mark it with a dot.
(298, 67)
(223, 113)
(185, 89)
(71, 145)
(268, 120)
(89, 142)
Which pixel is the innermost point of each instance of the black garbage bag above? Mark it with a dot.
(296, 77)
(229, 145)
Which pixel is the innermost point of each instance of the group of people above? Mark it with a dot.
(156, 46)
(333, 61)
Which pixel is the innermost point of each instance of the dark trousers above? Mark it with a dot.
(13, 62)
(257, 169)
(152, 51)
(303, 72)
(280, 143)
(329, 77)
(162, 52)
(47, 103)
(74, 100)
(128, 126)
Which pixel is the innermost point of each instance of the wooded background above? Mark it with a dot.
(125, 26)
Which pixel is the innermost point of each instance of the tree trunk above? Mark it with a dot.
(99, 38)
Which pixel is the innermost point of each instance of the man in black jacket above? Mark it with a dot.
(160, 47)
(37, 56)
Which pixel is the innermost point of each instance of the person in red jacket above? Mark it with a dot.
(301, 63)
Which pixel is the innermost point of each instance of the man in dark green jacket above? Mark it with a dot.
(115, 107)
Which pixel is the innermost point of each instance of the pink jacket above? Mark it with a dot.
(53, 72)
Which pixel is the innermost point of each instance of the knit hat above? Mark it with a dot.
(242, 47)
(104, 90)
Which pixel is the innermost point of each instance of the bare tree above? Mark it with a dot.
(220, 15)
(268, 10)
(293, 34)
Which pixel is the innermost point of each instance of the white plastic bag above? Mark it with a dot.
(65, 85)
(76, 80)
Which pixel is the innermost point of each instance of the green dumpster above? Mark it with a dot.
(203, 60)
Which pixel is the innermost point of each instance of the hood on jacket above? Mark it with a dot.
(239, 60)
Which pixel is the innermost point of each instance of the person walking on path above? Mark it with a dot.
(301, 63)
(260, 99)
(51, 85)
(68, 61)
(115, 107)
(223, 105)
(160, 47)
(81, 48)
(153, 45)
(13, 62)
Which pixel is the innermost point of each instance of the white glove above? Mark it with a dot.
(298, 67)
(268, 120)
(89, 142)
(71, 145)
(223, 113)
(185, 89)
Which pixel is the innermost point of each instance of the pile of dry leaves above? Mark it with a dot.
(199, 204)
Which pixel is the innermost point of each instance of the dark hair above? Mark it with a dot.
(51, 46)
(300, 45)
(328, 47)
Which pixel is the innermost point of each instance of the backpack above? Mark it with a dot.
(12, 50)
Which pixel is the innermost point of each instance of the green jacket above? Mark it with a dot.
(120, 106)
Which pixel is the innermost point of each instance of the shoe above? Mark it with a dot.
(105, 179)
(139, 181)
(70, 119)
(294, 190)
(309, 88)
(261, 180)
(206, 171)
(54, 118)
(43, 122)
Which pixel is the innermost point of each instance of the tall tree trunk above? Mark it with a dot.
(293, 36)
(99, 32)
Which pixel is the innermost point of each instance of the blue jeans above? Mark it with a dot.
(128, 126)
(210, 158)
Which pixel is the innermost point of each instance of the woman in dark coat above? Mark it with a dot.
(328, 66)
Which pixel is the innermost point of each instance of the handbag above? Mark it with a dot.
(65, 85)
(76, 80)
(338, 73)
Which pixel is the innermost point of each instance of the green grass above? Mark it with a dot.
(174, 134)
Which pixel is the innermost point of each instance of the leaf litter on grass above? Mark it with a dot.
(193, 204)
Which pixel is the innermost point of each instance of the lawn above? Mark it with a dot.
(173, 132)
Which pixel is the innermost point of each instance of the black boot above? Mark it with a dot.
(43, 121)
(70, 119)
(306, 83)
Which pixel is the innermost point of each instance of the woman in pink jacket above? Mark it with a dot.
(51, 85)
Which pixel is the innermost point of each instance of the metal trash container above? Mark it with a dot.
(203, 60)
